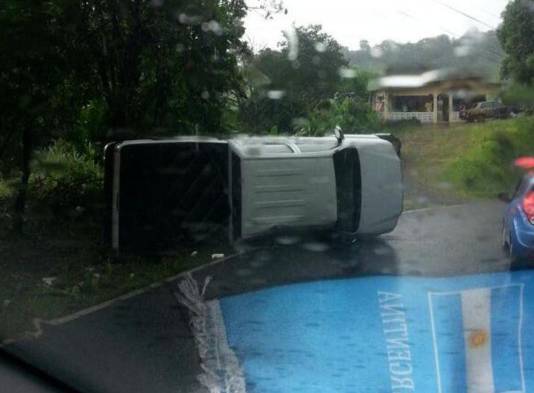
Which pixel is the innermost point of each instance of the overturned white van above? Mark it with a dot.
(162, 193)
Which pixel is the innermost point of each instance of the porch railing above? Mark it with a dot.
(454, 116)
(423, 117)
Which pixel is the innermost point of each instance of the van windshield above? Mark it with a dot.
(348, 186)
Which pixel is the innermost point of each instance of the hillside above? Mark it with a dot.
(474, 51)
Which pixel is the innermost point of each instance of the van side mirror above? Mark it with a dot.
(505, 197)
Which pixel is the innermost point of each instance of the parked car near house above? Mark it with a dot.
(486, 110)
(162, 193)
(518, 221)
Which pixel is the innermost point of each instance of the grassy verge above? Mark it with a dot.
(457, 163)
(58, 268)
(486, 168)
(50, 294)
(426, 152)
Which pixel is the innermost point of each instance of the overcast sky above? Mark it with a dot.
(350, 21)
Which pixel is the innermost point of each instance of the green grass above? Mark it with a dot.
(457, 163)
(486, 168)
(426, 152)
(25, 296)
(83, 275)
(6, 190)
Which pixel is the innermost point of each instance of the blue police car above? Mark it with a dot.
(518, 222)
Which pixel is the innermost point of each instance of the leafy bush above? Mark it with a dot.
(6, 190)
(351, 114)
(90, 127)
(259, 114)
(487, 168)
(68, 182)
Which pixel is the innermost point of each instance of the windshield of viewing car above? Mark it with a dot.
(268, 195)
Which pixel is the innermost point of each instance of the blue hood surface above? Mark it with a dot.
(386, 334)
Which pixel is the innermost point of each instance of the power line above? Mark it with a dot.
(487, 53)
(494, 51)
(473, 18)
(408, 15)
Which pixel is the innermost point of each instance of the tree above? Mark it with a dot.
(348, 112)
(168, 64)
(139, 65)
(33, 73)
(305, 71)
(364, 46)
(314, 70)
(515, 35)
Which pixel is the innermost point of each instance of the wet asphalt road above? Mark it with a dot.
(143, 343)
